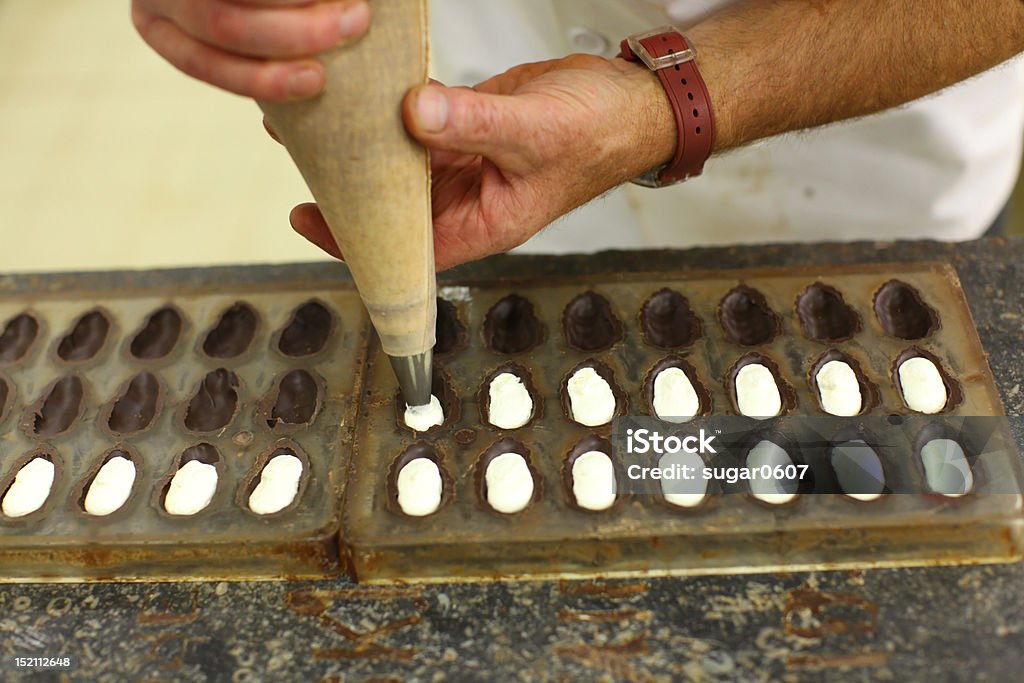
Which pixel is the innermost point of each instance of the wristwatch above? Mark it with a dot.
(668, 53)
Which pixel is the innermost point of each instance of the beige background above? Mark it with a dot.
(113, 159)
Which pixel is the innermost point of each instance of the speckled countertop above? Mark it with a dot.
(948, 624)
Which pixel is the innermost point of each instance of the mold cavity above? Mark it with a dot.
(194, 483)
(924, 385)
(450, 333)
(295, 400)
(589, 324)
(590, 396)
(668, 322)
(746, 317)
(307, 331)
(684, 492)
(508, 397)
(511, 326)
(214, 403)
(858, 470)
(757, 389)
(86, 337)
(17, 338)
(233, 333)
(443, 407)
(111, 486)
(417, 482)
(136, 407)
(30, 488)
(158, 335)
(774, 491)
(507, 481)
(903, 313)
(589, 475)
(825, 316)
(673, 393)
(840, 385)
(278, 484)
(57, 411)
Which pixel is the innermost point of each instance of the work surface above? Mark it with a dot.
(961, 623)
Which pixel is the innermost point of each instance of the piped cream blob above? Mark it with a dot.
(922, 385)
(858, 470)
(946, 468)
(422, 418)
(111, 487)
(591, 399)
(757, 394)
(675, 399)
(839, 389)
(771, 490)
(684, 492)
(192, 488)
(593, 481)
(30, 488)
(279, 482)
(420, 487)
(510, 405)
(509, 483)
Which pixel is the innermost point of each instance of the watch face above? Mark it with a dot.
(649, 179)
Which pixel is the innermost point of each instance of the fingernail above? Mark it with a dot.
(355, 19)
(305, 82)
(432, 109)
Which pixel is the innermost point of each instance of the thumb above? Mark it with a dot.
(469, 122)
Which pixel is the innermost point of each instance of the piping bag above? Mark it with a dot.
(371, 181)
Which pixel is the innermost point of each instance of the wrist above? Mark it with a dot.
(651, 126)
(714, 65)
(667, 53)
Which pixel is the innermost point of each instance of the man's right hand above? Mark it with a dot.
(258, 48)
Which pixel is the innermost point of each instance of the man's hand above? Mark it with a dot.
(259, 48)
(525, 147)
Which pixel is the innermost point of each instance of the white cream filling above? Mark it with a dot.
(510, 405)
(192, 488)
(279, 482)
(684, 492)
(946, 468)
(422, 418)
(757, 394)
(593, 481)
(839, 389)
(420, 487)
(858, 470)
(30, 488)
(591, 399)
(509, 483)
(110, 487)
(922, 385)
(675, 399)
(770, 490)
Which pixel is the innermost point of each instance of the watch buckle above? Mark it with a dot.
(657, 63)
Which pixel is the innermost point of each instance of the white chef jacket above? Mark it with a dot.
(941, 167)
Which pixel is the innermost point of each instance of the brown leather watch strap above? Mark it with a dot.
(670, 55)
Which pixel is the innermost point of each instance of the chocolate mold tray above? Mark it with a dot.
(229, 377)
(710, 323)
